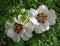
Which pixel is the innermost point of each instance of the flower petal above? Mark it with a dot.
(29, 34)
(9, 32)
(42, 9)
(38, 29)
(44, 26)
(16, 37)
(32, 12)
(29, 27)
(34, 21)
(24, 37)
(51, 17)
(15, 20)
(19, 16)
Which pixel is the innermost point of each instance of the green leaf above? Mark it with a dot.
(21, 43)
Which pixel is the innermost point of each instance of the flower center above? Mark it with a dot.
(41, 18)
(18, 27)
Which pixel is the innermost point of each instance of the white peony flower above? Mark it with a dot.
(42, 18)
(18, 30)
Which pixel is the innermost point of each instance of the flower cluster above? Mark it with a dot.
(40, 19)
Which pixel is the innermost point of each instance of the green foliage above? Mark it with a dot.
(12, 8)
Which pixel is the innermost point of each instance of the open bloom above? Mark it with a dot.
(18, 30)
(42, 18)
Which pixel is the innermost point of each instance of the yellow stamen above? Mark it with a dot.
(18, 27)
(41, 18)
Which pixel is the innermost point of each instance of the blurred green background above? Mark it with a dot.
(11, 8)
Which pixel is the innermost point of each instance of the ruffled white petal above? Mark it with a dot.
(29, 34)
(9, 32)
(42, 9)
(38, 29)
(24, 37)
(34, 21)
(16, 37)
(44, 26)
(51, 17)
(27, 31)
(29, 28)
(41, 27)
(32, 12)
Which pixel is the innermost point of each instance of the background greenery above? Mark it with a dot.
(11, 8)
